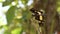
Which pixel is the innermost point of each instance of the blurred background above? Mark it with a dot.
(15, 17)
(13, 14)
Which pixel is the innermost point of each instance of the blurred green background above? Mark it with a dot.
(14, 15)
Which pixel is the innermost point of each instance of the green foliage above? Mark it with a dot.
(58, 6)
(12, 19)
(11, 14)
(7, 2)
(24, 1)
(26, 14)
(16, 31)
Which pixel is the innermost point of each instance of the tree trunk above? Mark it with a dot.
(50, 16)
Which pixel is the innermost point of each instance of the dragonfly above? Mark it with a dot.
(39, 15)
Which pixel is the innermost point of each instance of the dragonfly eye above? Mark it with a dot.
(32, 9)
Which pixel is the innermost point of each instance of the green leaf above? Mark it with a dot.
(16, 31)
(7, 2)
(10, 14)
(26, 14)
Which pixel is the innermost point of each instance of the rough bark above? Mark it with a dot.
(58, 23)
(38, 4)
(50, 16)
